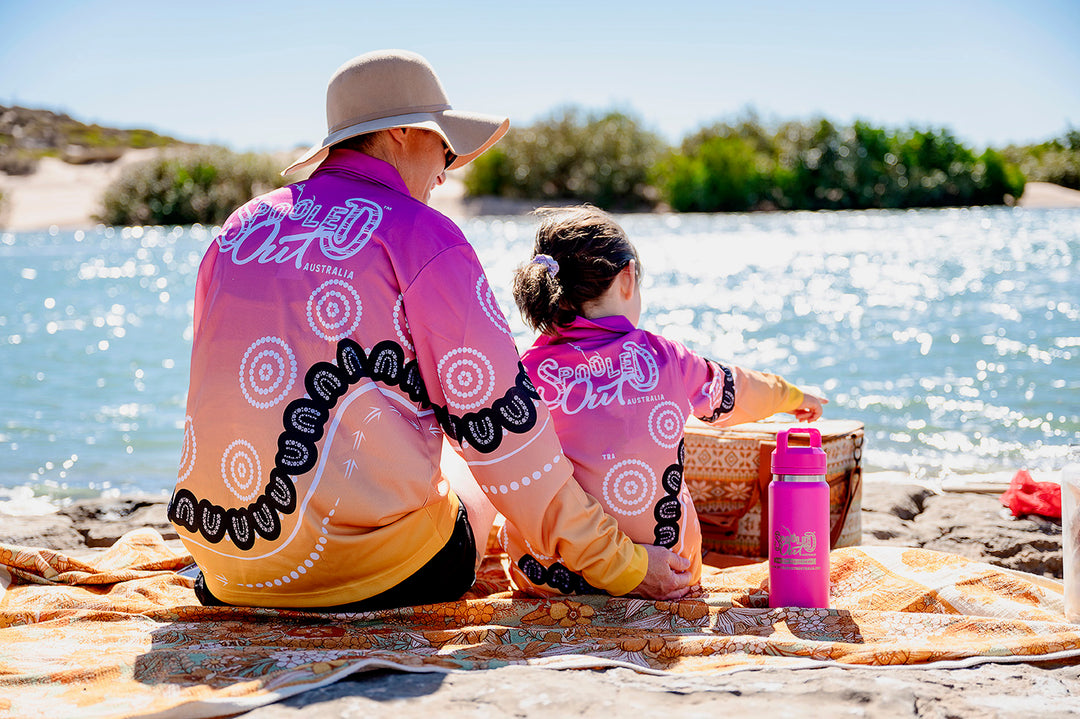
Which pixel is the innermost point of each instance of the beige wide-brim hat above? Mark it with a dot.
(396, 88)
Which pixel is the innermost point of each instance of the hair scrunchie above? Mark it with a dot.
(547, 261)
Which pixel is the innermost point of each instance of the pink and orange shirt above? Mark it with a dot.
(342, 328)
(619, 398)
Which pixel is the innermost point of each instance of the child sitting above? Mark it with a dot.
(620, 396)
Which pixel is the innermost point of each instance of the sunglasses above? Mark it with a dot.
(450, 156)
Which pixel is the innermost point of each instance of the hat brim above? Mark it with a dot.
(467, 134)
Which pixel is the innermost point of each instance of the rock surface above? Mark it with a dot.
(100, 522)
(971, 524)
(86, 524)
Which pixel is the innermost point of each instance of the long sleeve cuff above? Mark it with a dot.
(632, 575)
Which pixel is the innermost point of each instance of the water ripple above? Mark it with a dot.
(952, 334)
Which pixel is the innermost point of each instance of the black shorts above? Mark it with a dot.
(445, 578)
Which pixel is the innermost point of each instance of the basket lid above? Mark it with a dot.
(767, 431)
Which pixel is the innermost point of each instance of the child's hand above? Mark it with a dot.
(811, 408)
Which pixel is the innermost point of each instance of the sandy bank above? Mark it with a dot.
(1045, 194)
(67, 196)
(60, 194)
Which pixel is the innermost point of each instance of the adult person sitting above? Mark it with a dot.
(342, 328)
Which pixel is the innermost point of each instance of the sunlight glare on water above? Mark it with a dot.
(953, 335)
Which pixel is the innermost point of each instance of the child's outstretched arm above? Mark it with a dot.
(725, 394)
(733, 395)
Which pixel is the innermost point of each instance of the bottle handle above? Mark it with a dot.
(812, 432)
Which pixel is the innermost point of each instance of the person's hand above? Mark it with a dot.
(668, 576)
(811, 408)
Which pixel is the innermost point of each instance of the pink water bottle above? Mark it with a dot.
(799, 523)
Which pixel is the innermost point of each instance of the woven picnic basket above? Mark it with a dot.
(727, 471)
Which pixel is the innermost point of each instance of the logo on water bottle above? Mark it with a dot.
(786, 542)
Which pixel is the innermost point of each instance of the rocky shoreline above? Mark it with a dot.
(87, 524)
(972, 524)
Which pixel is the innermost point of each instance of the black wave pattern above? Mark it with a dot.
(727, 402)
(556, 576)
(668, 509)
(668, 512)
(304, 419)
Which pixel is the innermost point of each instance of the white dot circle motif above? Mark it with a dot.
(629, 487)
(241, 470)
(401, 323)
(491, 306)
(333, 310)
(188, 451)
(467, 378)
(666, 422)
(267, 372)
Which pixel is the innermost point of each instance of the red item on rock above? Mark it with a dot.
(1026, 496)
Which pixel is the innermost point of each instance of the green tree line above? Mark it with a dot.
(609, 159)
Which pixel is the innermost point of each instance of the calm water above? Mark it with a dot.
(954, 335)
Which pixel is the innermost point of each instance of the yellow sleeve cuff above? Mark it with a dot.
(631, 576)
(795, 399)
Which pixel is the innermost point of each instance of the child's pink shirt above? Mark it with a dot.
(620, 398)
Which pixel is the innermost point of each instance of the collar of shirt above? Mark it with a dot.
(582, 328)
(362, 167)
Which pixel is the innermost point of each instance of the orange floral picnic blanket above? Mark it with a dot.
(123, 635)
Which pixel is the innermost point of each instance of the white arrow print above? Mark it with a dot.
(358, 437)
(350, 465)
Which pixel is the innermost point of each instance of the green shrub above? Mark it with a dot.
(1056, 161)
(603, 159)
(817, 165)
(491, 174)
(995, 178)
(724, 174)
(147, 138)
(202, 186)
(822, 170)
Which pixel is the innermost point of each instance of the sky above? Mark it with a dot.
(252, 75)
